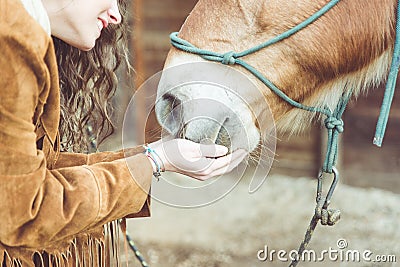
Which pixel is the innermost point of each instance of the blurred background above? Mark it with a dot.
(231, 231)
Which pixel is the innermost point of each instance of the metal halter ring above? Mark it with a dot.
(331, 189)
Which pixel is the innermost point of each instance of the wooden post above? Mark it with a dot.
(139, 66)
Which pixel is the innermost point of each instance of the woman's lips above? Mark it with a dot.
(104, 22)
(100, 24)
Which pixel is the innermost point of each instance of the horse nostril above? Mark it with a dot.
(170, 113)
(170, 98)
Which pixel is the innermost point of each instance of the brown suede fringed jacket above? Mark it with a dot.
(53, 205)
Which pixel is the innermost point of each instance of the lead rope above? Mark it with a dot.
(333, 121)
(390, 87)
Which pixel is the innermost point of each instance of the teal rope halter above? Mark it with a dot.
(333, 121)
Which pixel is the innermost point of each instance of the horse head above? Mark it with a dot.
(347, 49)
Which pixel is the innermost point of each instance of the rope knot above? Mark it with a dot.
(228, 58)
(332, 123)
(327, 216)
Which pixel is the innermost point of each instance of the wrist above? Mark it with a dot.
(153, 166)
(155, 160)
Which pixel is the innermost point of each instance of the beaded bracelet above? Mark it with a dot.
(155, 158)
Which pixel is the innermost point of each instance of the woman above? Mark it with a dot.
(54, 204)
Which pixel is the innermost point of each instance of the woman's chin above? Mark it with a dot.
(86, 47)
(84, 44)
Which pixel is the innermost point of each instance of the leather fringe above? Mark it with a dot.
(99, 249)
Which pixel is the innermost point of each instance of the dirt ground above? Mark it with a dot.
(231, 231)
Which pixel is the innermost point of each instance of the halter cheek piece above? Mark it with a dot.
(333, 121)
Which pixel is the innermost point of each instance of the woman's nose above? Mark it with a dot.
(113, 13)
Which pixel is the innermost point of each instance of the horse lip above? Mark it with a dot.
(212, 136)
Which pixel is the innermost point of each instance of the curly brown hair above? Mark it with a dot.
(87, 83)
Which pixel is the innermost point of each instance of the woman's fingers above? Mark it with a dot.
(226, 161)
(212, 151)
(200, 150)
(222, 165)
(199, 161)
(241, 154)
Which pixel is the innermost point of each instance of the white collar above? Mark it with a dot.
(36, 9)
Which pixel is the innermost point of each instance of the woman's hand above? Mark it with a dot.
(199, 161)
